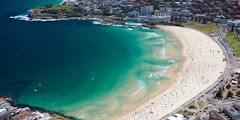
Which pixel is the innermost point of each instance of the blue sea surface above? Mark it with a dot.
(77, 66)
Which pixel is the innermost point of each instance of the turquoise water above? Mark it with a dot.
(82, 67)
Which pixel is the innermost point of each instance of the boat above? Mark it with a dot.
(35, 90)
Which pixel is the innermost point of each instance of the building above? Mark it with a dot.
(161, 16)
(231, 23)
(231, 112)
(20, 113)
(216, 116)
(176, 117)
(236, 71)
(133, 14)
(163, 9)
(5, 110)
(185, 13)
(237, 106)
(4, 114)
(146, 10)
(220, 20)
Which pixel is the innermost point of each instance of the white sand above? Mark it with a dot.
(202, 67)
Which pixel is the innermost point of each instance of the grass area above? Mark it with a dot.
(206, 28)
(200, 104)
(51, 8)
(192, 105)
(235, 43)
(184, 112)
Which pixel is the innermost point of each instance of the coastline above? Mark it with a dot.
(175, 80)
(160, 103)
(53, 114)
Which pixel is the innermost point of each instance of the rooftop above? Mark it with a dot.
(232, 110)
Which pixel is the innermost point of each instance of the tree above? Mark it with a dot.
(219, 94)
(238, 93)
(228, 86)
(191, 107)
(229, 94)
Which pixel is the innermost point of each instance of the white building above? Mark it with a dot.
(185, 13)
(146, 10)
(133, 14)
(176, 117)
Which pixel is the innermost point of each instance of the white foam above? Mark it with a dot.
(140, 87)
(26, 18)
(118, 25)
(129, 29)
(162, 52)
(145, 28)
(96, 22)
(134, 24)
(150, 75)
(21, 17)
(84, 115)
(162, 70)
(104, 115)
(172, 61)
(151, 35)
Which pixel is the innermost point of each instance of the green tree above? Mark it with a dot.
(191, 106)
(219, 94)
(228, 86)
(229, 94)
(238, 93)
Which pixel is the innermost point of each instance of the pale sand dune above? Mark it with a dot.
(203, 57)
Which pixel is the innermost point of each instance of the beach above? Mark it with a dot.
(203, 65)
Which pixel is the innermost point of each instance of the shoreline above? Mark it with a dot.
(171, 83)
(174, 81)
(52, 113)
(143, 111)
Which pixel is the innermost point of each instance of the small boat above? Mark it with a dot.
(35, 90)
(39, 84)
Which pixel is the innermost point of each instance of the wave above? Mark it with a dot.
(26, 18)
(129, 29)
(140, 87)
(84, 115)
(151, 35)
(96, 22)
(21, 17)
(163, 70)
(134, 24)
(146, 28)
(162, 52)
(171, 61)
(150, 75)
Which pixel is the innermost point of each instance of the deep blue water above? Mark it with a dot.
(77, 63)
(60, 54)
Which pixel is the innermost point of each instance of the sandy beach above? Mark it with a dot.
(203, 65)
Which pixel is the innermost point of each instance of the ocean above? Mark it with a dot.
(80, 68)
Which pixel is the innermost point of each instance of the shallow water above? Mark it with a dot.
(82, 67)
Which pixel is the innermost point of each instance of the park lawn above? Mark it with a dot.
(200, 104)
(192, 104)
(233, 42)
(206, 28)
(184, 112)
(51, 7)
